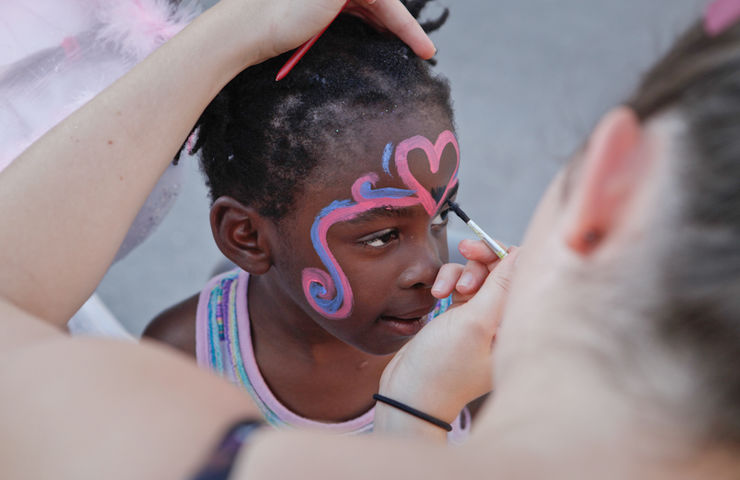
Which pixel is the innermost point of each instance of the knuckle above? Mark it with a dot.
(504, 282)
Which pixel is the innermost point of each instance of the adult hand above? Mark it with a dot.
(289, 23)
(463, 281)
(449, 363)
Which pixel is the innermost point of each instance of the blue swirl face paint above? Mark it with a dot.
(368, 193)
(331, 295)
(387, 152)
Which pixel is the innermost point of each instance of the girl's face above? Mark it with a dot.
(367, 240)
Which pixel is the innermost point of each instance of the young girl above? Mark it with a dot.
(329, 193)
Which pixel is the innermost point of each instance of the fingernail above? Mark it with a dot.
(466, 280)
(439, 287)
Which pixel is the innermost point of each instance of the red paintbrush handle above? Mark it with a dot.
(298, 54)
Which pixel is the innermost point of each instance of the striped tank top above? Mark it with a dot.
(223, 344)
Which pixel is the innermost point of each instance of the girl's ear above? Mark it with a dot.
(242, 234)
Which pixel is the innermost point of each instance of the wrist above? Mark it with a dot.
(230, 41)
(421, 397)
(390, 420)
(257, 30)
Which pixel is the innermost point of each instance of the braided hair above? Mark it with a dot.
(260, 140)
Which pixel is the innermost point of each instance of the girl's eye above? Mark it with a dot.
(380, 239)
(441, 219)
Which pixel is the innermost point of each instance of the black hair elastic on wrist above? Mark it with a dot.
(412, 411)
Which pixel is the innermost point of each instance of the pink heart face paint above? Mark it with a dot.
(434, 155)
(329, 292)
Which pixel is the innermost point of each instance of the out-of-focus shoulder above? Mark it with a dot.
(175, 326)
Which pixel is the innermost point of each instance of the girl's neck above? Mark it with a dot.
(310, 371)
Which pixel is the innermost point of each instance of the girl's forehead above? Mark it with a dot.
(370, 134)
(396, 155)
(420, 167)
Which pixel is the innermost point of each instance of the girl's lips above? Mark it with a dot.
(405, 327)
(413, 314)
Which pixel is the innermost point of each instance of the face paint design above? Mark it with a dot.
(387, 152)
(434, 155)
(331, 294)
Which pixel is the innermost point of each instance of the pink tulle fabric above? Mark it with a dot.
(721, 15)
(55, 55)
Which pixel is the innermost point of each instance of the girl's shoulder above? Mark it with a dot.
(176, 326)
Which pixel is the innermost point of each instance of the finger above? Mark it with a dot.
(365, 14)
(487, 305)
(446, 280)
(472, 277)
(477, 251)
(396, 18)
(458, 299)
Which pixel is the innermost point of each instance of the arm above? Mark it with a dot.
(450, 362)
(78, 408)
(84, 408)
(67, 202)
(72, 195)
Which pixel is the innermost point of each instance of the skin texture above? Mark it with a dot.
(390, 259)
(99, 409)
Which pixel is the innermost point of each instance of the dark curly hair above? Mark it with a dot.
(260, 140)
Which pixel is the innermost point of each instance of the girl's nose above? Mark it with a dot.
(424, 263)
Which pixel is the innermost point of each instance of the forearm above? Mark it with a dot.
(89, 408)
(295, 455)
(68, 201)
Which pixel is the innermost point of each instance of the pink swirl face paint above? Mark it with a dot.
(330, 293)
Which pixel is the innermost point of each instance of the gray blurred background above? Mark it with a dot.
(529, 80)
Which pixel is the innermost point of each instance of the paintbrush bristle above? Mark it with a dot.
(458, 211)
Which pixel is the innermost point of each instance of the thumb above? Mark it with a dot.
(487, 305)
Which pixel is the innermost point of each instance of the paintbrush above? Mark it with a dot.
(492, 244)
(301, 51)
